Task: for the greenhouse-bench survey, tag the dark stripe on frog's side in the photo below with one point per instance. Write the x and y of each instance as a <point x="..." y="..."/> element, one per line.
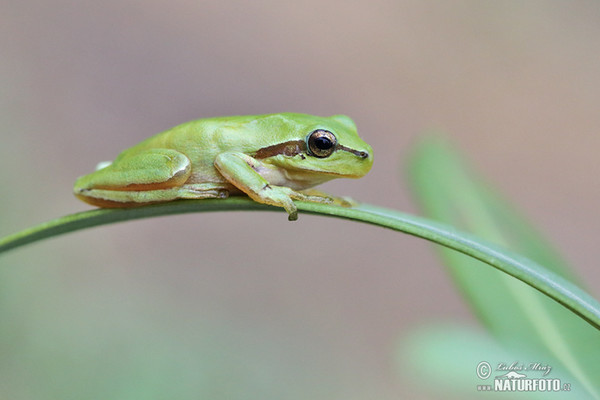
<point x="290" y="149"/>
<point x="361" y="154"/>
<point x="295" y="147"/>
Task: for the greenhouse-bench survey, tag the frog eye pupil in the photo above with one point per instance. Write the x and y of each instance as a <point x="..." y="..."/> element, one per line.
<point x="321" y="143"/>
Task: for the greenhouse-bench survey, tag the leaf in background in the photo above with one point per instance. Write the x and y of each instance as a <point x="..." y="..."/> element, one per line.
<point x="513" y="312"/>
<point x="449" y="356"/>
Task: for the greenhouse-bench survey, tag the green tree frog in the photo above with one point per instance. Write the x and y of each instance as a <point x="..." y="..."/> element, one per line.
<point x="272" y="158"/>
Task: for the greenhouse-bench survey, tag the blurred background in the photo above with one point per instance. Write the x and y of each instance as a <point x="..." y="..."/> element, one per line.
<point x="248" y="305"/>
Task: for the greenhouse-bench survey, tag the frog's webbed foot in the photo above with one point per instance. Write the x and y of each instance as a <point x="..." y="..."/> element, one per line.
<point x="203" y="191"/>
<point x="322" y="197"/>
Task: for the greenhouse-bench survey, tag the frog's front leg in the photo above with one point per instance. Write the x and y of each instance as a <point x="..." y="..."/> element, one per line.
<point x="151" y="176"/>
<point x="244" y="172"/>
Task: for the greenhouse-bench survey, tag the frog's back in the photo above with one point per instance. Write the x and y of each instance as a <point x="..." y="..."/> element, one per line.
<point x="205" y="138"/>
<point x="192" y="136"/>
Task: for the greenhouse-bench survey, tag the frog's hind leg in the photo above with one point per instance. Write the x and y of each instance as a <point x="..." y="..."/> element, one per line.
<point x="151" y="176"/>
<point x="322" y="197"/>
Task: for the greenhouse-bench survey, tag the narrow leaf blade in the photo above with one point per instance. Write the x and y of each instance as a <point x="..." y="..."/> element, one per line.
<point x="512" y="311"/>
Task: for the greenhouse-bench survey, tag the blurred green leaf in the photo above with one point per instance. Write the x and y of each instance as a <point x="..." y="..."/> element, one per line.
<point x="513" y="312"/>
<point x="450" y="355"/>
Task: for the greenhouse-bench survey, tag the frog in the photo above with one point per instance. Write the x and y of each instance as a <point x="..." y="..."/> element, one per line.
<point x="272" y="158"/>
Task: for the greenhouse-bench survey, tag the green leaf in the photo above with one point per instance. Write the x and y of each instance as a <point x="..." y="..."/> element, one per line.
<point x="447" y="358"/>
<point x="512" y="311"/>
<point x="547" y="282"/>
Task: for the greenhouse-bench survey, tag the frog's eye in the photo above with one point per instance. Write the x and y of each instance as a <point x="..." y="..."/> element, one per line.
<point x="321" y="143"/>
